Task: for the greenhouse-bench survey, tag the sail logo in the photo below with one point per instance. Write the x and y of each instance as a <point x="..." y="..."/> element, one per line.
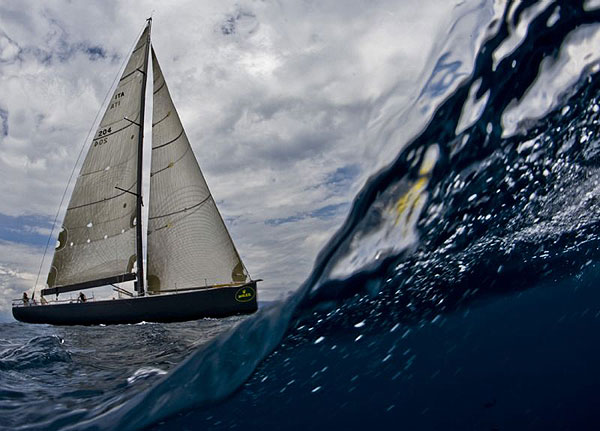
<point x="244" y="294"/>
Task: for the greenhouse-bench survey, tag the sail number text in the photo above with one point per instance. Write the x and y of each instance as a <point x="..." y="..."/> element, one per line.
<point x="116" y="102"/>
<point x="100" y="141"/>
<point x="104" y="132"/>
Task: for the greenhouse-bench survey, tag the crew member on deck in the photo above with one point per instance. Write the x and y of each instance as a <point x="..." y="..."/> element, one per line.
<point x="25" y="299"/>
<point x="82" y="297"/>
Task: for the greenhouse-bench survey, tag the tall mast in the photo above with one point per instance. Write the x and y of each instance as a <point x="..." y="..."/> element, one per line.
<point x="139" y="231"/>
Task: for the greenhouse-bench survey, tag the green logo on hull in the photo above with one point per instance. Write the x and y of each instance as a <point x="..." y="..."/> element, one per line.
<point x="245" y="294"/>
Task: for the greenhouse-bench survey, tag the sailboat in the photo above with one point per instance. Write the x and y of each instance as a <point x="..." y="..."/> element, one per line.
<point x="194" y="269"/>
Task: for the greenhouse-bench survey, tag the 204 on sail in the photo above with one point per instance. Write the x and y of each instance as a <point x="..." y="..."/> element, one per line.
<point x="194" y="269"/>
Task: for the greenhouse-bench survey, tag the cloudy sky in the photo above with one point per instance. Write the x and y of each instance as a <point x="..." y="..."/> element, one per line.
<point x="289" y="106"/>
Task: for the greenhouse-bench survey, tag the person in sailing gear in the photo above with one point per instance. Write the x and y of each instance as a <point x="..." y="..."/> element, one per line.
<point x="81" y="298"/>
<point x="25" y="299"/>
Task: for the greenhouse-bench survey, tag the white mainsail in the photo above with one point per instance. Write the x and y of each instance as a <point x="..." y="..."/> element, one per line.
<point x="98" y="240"/>
<point x="188" y="243"/>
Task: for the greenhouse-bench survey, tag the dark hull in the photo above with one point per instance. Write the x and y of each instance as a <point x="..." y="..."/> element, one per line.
<point x="177" y="307"/>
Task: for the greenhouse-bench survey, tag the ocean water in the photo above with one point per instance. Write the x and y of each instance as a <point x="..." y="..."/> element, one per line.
<point x="460" y="293"/>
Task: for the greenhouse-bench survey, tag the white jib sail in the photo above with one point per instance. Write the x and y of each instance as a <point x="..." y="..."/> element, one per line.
<point x="188" y="243"/>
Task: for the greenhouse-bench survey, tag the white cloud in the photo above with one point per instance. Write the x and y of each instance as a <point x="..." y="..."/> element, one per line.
<point x="276" y="98"/>
<point x="18" y="271"/>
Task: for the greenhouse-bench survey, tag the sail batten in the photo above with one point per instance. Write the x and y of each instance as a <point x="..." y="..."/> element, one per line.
<point x="99" y="201"/>
<point x="188" y="242"/>
<point x="181" y="210"/>
<point x="127" y="125"/>
<point x="97" y="241"/>
<point x="169" y="142"/>
<point x="159" y="88"/>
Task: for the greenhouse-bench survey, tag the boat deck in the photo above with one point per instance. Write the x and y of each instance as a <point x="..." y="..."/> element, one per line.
<point x="168" y="307"/>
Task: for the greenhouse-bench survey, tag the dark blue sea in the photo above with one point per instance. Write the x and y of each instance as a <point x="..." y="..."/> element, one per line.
<point x="462" y="292"/>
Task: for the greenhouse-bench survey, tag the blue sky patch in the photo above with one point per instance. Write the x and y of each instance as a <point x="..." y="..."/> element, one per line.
<point x="94" y="52"/>
<point x="328" y="211"/>
<point x="64" y="52"/>
<point x="343" y="176"/>
<point x="30" y="230"/>
<point x="322" y="213"/>
<point x="4" y="122"/>
<point x="283" y="220"/>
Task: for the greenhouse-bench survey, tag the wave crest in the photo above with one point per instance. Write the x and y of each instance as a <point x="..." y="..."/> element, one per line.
<point x="38" y="352"/>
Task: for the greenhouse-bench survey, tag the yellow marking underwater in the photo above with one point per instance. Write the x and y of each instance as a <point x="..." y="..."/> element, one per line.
<point x="410" y="198"/>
